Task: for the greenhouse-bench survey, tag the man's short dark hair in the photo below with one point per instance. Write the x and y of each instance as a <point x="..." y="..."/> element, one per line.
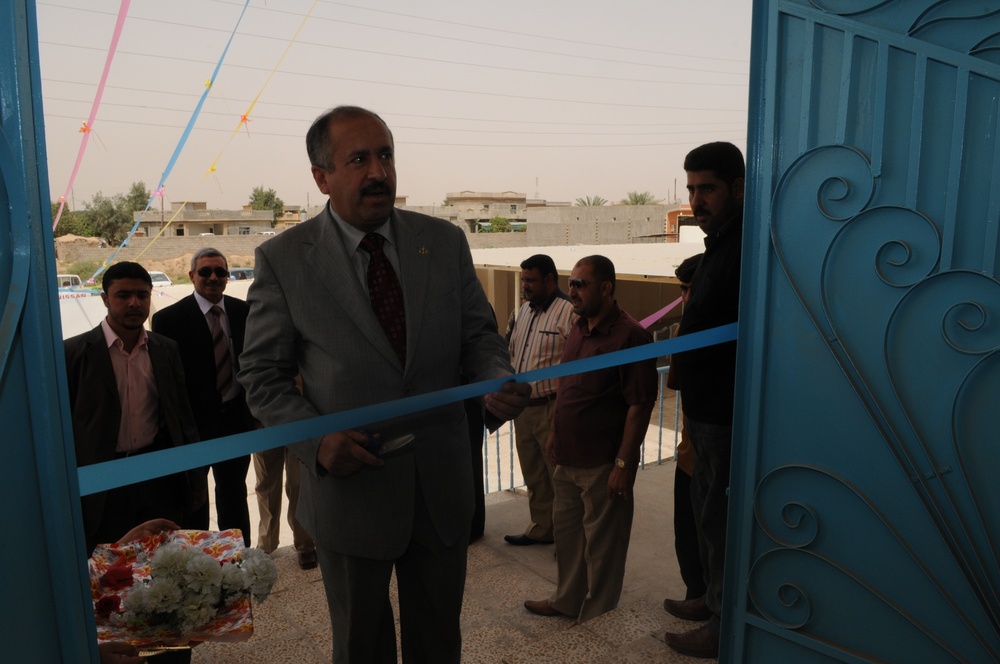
<point x="685" y="271"/>
<point x="207" y="252"/>
<point x="318" y="137"/>
<point x="125" y="270"/>
<point x="544" y="264"/>
<point x="601" y="268"/>
<point x="725" y="159"/>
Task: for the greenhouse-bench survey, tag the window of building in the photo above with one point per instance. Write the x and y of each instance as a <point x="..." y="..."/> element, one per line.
<point x="244" y="230"/>
<point x="513" y="208"/>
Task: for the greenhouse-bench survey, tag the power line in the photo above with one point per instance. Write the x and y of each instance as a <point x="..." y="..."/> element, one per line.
<point x="591" y="58"/>
<point x="401" y="142"/>
<point x="319" y="109"/>
<point x="397" y="127"/>
<point x="418" y="87"/>
<point x="474" y="65"/>
<point x="588" y="44"/>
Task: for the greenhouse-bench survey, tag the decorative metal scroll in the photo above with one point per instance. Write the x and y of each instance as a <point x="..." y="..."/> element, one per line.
<point x="885" y="224"/>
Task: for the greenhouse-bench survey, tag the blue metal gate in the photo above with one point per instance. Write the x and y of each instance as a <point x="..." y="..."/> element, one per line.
<point x="865" y="518"/>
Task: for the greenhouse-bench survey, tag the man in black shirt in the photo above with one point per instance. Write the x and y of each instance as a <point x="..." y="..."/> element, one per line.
<point x="707" y="376"/>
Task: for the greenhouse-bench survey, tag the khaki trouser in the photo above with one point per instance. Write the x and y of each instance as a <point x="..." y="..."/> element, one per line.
<point x="269" y="467"/>
<point x="531" y="430"/>
<point x="592" y="537"/>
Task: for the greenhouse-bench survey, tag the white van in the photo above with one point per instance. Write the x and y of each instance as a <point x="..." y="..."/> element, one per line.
<point x="68" y="281"/>
<point x="160" y="279"/>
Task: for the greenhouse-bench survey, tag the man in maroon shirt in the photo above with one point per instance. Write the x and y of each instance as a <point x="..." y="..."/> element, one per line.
<point x="600" y="421"/>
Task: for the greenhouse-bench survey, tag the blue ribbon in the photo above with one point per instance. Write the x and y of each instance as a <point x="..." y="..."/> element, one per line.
<point x="120" y="472"/>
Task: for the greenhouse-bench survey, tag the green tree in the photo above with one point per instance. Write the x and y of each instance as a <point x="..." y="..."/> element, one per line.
<point x="71" y="223"/>
<point x="267" y="199"/>
<point x="111" y="217"/>
<point x="107" y="216"/>
<point x="137" y="197"/>
<point x="640" y="198"/>
<point x="591" y="201"/>
<point x="499" y="225"/>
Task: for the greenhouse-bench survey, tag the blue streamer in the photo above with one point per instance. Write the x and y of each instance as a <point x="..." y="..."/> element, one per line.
<point x="180" y="146"/>
<point x="112" y="474"/>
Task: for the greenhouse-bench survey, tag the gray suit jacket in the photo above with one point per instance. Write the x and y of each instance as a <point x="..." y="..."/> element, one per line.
<point x="310" y="314"/>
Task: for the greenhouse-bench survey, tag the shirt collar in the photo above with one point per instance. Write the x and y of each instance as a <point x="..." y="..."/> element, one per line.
<point x="206" y="305"/>
<point x="735" y="222"/>
<point x="544" y="306"/>
<point x="605" y="325"/>
<point x="110" y="336"/>
<point x="352" y="236"/>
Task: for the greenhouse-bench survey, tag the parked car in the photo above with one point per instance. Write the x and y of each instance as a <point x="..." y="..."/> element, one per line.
<point x="206" y="234"/>
<point x="265" y="232"/>
<point x="240" y="273"/>
<point x="160" y="279"/>
<point x="67" y="281"/>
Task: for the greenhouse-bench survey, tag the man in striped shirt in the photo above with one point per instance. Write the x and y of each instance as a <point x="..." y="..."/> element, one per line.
<point x="537" y="340"/>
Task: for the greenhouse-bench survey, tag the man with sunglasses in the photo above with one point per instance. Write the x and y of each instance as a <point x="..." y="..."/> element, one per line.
<point x="209" y="327"/>
<point x="600" y="421"/>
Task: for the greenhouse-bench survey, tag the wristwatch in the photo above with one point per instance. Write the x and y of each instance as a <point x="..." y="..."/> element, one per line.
<point x="620" y="462"/>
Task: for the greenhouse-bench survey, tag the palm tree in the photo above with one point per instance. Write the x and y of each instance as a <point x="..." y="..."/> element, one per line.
<point x="640" y="198"/>
<point x="590" y="201"/>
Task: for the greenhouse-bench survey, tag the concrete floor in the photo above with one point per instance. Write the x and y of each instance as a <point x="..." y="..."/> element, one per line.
<point x="293" y="624"/>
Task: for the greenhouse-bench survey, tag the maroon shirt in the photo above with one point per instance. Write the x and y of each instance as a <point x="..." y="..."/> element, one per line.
<point x="591" y="407"/>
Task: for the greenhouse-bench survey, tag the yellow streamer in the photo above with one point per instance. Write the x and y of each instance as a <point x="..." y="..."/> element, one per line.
<point x="244" y="119"/>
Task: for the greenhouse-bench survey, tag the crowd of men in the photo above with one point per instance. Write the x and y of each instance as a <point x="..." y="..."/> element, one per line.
<point x="366" y="303"/>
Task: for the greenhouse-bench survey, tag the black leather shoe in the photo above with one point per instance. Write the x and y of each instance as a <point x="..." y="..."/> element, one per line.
<point x="523" y="540"/>
<point x="696" y="643"/>
<point x="688" y="609"/>
<point x="307" y="559"/>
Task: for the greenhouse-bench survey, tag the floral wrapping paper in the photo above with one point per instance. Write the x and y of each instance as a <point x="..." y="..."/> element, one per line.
<point x="234" y="621"/>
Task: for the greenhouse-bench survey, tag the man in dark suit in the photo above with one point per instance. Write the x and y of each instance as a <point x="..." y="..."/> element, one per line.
<point x="127" y="396"/>
<point x="217" y="399"/>
<point x="373" y="304"/>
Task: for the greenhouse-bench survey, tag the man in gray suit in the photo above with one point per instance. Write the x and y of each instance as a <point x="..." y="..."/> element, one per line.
<point x="327" y="302"/>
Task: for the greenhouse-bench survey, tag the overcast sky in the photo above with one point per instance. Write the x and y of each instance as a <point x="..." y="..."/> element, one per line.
<point x="556" y="99"/>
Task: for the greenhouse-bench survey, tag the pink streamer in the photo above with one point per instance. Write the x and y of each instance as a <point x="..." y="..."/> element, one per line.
<point x="649" y="320"/>
<point x="122" y="15"/>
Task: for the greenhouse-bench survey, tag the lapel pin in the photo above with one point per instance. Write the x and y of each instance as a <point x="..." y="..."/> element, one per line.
<point x="423" y="250"/>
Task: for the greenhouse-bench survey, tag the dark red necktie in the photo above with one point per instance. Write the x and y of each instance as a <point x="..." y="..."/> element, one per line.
<point x="386" y="294"/>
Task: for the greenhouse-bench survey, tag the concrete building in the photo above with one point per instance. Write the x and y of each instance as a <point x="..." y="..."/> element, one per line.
<point x="473" y="210"/>
<point x="193" y="218"/>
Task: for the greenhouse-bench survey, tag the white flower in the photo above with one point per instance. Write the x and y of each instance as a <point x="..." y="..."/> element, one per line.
<point x="136" y="599"/>
<point x="203" y="575"/>
<point x="169" y="560"/>
<point x="187" y="587"/>
<point x="259" y="573"/>
<point x="195" y="614"/>
<point x="163" y="595"/>
<point x="232" y="579"/>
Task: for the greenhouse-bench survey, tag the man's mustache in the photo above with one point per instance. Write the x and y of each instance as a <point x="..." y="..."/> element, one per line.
<point x="376" y="188"/>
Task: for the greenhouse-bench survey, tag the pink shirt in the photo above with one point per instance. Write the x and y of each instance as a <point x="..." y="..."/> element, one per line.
<point x="136" y="391"/>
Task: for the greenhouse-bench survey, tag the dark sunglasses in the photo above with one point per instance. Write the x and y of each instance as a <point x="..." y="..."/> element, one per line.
<point x="220" y="272"/>
<point x="577" y="283"/>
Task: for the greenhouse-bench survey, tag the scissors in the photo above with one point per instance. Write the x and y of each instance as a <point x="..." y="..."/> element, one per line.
<point x="383" y="448"/>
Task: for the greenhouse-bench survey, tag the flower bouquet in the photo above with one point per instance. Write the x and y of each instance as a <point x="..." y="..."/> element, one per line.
<point x="178" y="586"/>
